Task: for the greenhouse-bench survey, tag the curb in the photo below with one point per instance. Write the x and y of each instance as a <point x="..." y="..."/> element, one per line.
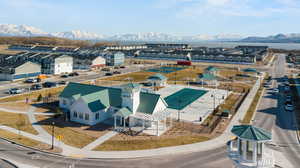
<point x="258" y="102"/>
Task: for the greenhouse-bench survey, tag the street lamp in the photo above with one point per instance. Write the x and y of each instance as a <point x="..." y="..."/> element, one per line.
<point x="52" y="145"/>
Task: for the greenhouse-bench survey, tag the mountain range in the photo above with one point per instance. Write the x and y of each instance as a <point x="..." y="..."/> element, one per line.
<point x="29" y="31"/>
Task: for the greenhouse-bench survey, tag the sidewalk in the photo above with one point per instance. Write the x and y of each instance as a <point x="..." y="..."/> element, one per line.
<point x="24" y="112"/>
<point x="100" y="140"/>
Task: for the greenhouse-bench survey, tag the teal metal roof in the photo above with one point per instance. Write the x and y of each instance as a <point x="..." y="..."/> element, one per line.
<point x="249" y="70"/>
<point x="211" y="69"/>
<point x="158" y="76"/>
<point x="89" y="92"/>
<point x="124" y="112"/>
<point x="97" y="101"/>
<point x="207" y="76"/>
<point x="148" y="102"/>
<point x="250" y="132"/>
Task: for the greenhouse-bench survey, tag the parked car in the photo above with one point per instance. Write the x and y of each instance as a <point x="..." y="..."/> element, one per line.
<point x="147" y="84"/>
<point x="275" y="90"/>
<point x="74" y="74"/>
<point x="289" y="107"/>
<point x="116" y="67"/>
<point x="116" y="72"/>
<point x="15" y="91"/>
<point x="123" y="66"/>
<point x="49" y="84"/>
<point x="31" y="80"/>
<point x="105" y="69"/>
<point x="108" y="74"/>
<point x="286" y="88"/>
<point x="36" y="87"/>
<point x="62" y="82"/>
<point x="64" y="76"/>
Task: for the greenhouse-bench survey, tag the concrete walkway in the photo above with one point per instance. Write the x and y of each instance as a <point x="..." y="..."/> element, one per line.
<point x="38" y="128"/>
<point x="100" y="140"/>
<point x="23" y="112"/>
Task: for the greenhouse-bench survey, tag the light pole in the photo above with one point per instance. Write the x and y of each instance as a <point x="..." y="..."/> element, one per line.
<point x="52" y="145"/>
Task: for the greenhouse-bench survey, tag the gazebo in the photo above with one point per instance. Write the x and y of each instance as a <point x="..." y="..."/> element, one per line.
<point x="158" y="80"/>
<point x="250" y="144"/>
<point x="211" y="79"/>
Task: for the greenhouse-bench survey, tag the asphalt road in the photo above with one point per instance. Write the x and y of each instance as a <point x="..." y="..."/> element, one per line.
<point x="272" y="116"/>
<point x="210" y="159"/>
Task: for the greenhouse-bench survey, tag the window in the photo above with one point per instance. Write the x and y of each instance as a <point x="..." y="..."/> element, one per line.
<point x="86" y="116"/>
<point x="81" y="115"/>
<point x="75" y="114"/>
<point x="97" y="116"/>
<point x="64" y="102"/>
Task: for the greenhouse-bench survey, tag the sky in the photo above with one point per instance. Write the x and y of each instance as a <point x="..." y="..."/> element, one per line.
<point x="179" y="17"/>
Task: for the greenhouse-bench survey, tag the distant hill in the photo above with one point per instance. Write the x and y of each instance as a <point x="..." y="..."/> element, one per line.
<point x="279" y="38"/>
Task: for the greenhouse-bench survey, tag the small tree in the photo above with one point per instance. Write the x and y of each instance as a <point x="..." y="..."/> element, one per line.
<point x="39" y="98"/>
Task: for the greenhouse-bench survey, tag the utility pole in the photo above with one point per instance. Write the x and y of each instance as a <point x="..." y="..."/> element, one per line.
<point x="52" y="145"/>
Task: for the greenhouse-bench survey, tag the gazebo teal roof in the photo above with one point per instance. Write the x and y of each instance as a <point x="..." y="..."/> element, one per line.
<point x="211" y="69"/>
<point x="124" y="112"/>
<point x="249" y="132"/>
<point x="249" y="70"/>
<point x="157" y="76"/>
<point x="207" y="76"/>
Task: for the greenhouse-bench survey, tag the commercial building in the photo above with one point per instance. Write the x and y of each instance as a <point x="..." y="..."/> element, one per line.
<point x="125" y="105"/>
<point x="19" y="70"/>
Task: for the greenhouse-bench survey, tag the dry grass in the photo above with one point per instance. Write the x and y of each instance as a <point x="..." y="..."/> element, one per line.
<point x="19" y="139"/>
<point x="180" y="134"/>
<point x="135" y="77"/>
<point x="184" y="75"/>
<point x="20" y="106"/>
<point x="33" y="95"/>
<point x="73" y="134"/>
<point x="4" y="50"/>
<point x="17" y="121"/>
<point x="248" y="117"/>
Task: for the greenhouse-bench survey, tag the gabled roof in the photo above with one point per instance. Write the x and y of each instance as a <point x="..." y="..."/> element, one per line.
<point x="207" y="76"/>
<point x="97" y="101"/>
<point x="124" y="112"/>
<point x="148" y="102"/>
<point x="77" y="90"/>
<point x="250" y="132"/>
<point x="157" y="76"/>
<point x="211" y="69"/>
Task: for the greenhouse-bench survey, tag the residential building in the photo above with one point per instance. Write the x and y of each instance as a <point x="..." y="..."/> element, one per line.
<point x="19" y="70"/>
<point x="115" y="58"/>
<point x="88" y="62"/>
<point x="57" y="64"/>
<point x="158" y="80"/>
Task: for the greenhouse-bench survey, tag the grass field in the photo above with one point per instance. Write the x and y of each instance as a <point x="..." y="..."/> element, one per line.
<point x="71" y="135"/>
<point x="4" y="50"/>
<point x="17" y="121"/>
<point x="134" y="77"/>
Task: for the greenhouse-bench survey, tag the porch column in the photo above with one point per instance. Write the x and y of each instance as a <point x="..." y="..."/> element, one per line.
<point x="120" y="120"/>
<point x="244" y="149"/>
<point x="115" y="122"/>
<point x="262" y="149"/>
<point x="254" y="154"/>
<point x="230" y="145"/>
<point x="124" y="123"/>
<point x="238" y="145"/>
<point x="202" y="83"/>
<point x="157" y="128"/>
<point x="143" y="124"/>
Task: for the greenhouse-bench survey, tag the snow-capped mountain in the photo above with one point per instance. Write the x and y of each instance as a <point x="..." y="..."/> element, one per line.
<point x="220" y="37"/>
<point x="77" y="34"/>
<point x="20" y="30"/>
<point x="279" y="38"/>
<point x="144" y="37"/>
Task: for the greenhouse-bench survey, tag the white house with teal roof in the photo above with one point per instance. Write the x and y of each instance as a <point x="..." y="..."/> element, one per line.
<point x="127" y="105"/>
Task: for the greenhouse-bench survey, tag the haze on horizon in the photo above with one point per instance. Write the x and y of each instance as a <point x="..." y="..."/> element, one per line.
<point x="179" y="17"/>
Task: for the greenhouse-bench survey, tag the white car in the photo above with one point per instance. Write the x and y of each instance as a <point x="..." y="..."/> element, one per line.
<point x="276" y="90"/>
<point x="289" y="107"/>
<point x="15" y="91"/>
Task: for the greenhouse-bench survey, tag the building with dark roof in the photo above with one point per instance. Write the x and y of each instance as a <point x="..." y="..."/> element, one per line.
<point x="19" y="70"/>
